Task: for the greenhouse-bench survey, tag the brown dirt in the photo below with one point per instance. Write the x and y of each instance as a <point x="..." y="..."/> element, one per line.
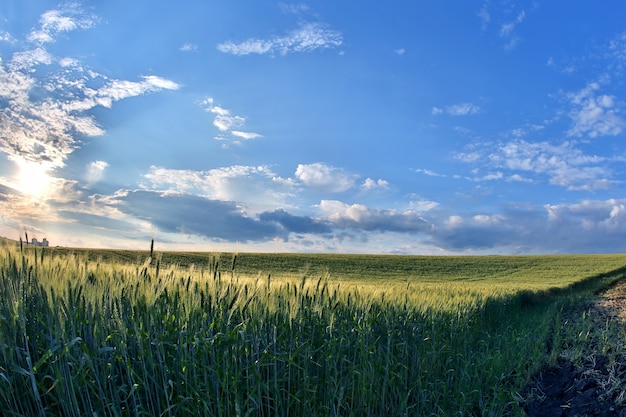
<point x="595" y="386"/>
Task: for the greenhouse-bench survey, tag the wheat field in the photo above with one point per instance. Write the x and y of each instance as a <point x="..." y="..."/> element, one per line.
<point x="89" y="333"/>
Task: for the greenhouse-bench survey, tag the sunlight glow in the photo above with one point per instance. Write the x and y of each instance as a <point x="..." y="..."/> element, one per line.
<point x="33" y="179"/>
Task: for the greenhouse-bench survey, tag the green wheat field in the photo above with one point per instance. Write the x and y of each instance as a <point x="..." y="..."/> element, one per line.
<point x="141" y="333"/>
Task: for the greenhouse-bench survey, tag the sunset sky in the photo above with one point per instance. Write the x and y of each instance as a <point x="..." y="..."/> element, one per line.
<point x="414" y="127"/>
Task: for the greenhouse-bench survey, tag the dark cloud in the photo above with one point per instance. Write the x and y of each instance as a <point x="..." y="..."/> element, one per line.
<point x="588" y="227"/>
<point x="97" y="221"/>
<point x="196" y="215"/>
<point x="185" y="213"/>
<point x="475" y="237"/>
<point x="296" y="224"/>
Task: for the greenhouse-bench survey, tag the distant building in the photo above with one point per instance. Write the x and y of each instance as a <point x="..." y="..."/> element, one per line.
<point x="44" y="242"/>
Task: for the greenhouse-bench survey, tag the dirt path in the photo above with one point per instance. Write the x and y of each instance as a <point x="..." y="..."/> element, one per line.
<point x="612" y="302"/>
<point x="595" y="386"/>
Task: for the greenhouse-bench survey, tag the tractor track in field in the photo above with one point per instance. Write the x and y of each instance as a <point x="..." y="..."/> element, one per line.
<point x="596" y="386"/>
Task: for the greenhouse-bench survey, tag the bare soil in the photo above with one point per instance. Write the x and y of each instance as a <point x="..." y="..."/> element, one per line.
<point x="595" y="386"/>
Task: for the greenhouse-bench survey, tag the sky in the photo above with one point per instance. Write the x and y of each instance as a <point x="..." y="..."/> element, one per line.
<point x="405" y="127"/>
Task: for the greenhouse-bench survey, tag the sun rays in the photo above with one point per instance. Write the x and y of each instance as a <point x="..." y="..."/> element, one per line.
<point x="33" y="180"/>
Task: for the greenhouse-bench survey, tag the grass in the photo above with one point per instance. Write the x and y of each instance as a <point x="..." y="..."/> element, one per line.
<point x="106" y="333"/>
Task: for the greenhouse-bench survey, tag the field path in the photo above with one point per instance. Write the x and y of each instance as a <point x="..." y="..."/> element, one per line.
<point x="597" y="387"/>
<point x="612" y="302"/>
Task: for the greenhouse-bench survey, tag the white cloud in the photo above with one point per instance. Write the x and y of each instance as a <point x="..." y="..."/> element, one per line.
<point x="567" y="68"/>
<point x="461" y="109"/>
<point x="492" y="176"/>
<point x="294" y="8"/>
<point x="518" y="178"/>
<point x="68" y="62"/>
<point x="307" y="38"/>
<point x="564" y="164"/>
<point x="64" y="19"/>
<point x="227" y="123"/>
<point x="330" y="178"/>
<point x="484" y="15"/>
<point x="95" y="171"/>
<point x="617" y="50"/>
<point x="608" y="216"/>
<point x="250" y="46"/>
<point x="506" y="21"/>
<point x="454" y="221"/>
<point x="116" y="90"/>
<point x="506" y="29"/>
<point x="594" y="114"/>
<point x="46" y="97"/>
<point x="429" y="173"/>
<point x="24" y="60"/>
<point x="5" y="36"/>
<point x="160" y="83"/>
<point x="189" y="47"/>
<point x="245" y="135"/>
<point x="360" y="218"/>
<point x="422" y="206"/>
<point x="370" y="184"/>
<point x="336" y="210"/>
<point x="488" y="219"/>
<point x="258" y="187"/>
<point x="212" y="183"/>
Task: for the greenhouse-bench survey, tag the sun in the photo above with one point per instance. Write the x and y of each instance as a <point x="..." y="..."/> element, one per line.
<point x="33" y="180"/>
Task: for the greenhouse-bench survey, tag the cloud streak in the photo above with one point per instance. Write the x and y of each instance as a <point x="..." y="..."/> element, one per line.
<point x="460" y="109"/>
<point x="308" y="37"/>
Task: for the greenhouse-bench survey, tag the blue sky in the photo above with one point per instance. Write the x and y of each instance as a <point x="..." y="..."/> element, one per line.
<point x="431" y="127"/>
